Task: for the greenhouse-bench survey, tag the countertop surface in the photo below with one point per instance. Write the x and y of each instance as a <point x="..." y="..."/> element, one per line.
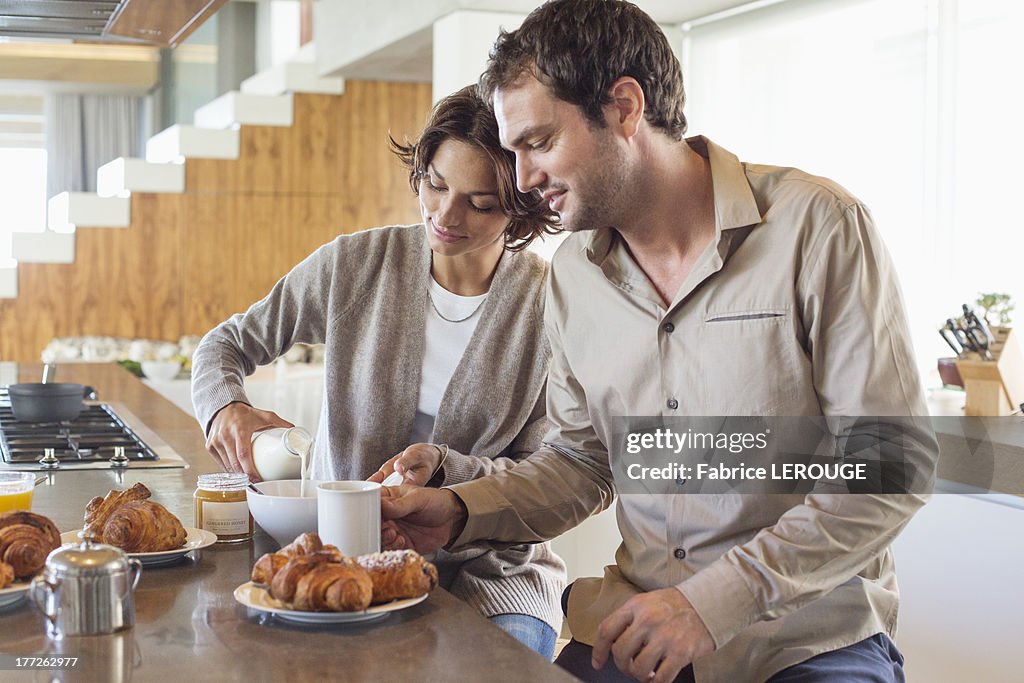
<point x="188" y="623"/>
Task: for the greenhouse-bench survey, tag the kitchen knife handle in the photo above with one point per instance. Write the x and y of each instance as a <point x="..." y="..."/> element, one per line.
<point x="950" y="339"/>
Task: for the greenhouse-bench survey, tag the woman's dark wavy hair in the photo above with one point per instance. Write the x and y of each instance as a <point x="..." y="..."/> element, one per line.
<point x="578" y="48"/>
<point x="466" y="117"/>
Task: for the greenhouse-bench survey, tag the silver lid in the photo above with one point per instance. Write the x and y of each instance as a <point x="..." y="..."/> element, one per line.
<point x="86" y="559"/>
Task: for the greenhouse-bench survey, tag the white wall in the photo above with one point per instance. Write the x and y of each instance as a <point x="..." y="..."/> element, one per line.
<point x="462" y="41"/>
<point x="277" y="32"/>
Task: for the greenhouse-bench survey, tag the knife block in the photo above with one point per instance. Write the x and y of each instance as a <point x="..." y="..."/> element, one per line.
<point x="994" y="387"/>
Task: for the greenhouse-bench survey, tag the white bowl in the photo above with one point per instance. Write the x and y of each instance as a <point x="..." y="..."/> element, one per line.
<point x="281" y="510"/>
<point x="161" y="370"/>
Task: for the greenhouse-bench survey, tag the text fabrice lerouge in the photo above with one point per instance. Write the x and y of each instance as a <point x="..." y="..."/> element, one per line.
<point x="777" y="471"/>
<point x="667" y="440"/>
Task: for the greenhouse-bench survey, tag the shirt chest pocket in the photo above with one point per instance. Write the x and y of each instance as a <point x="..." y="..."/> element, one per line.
<point x="752" y="363"/>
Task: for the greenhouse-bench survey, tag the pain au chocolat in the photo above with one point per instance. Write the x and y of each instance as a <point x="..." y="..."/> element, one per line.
<point x="26" y="538"/>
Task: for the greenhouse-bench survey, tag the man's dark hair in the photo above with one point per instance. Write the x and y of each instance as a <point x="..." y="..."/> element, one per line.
<point x="578" y="48"/>
<point x="465" y="116"/>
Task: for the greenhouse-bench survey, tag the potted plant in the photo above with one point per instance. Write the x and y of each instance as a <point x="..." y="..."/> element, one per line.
<point x="997" y="308"/>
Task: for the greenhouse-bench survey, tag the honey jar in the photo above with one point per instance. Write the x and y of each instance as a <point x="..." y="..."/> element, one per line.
<point x="222" y="508"/>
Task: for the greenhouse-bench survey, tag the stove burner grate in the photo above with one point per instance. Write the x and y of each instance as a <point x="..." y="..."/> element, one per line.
<point x="91" y="437"/>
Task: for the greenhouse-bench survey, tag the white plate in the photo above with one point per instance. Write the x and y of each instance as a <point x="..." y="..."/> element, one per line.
<point x="194" y="540"/>
<point x="15" y="592"/>
<point x="257" y="597"/>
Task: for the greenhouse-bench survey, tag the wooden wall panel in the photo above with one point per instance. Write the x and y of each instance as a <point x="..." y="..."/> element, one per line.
<point x="190" y="260"/>
<point x="376" y="185"/>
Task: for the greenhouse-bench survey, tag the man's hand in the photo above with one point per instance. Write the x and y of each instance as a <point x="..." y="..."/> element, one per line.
<point x="419" y="518"/>
<point x="230" y="438"/>
<point x="653" y="636"/>
<point x="416" y="464"/>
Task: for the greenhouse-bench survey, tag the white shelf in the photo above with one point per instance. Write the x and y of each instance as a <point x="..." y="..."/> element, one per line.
<point x="292" y="77"/>
<point x="43" y="247"/>
<point x="69" y="209"/>
<point x="8" y="283"/>
<point x="124" y="175"/>
<point x="241" y="108"/>
<point x="180" y="142"/>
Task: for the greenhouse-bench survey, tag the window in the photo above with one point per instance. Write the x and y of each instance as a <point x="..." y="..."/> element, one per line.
<point x="22" y="169"/>
<point x="906" y="103"/>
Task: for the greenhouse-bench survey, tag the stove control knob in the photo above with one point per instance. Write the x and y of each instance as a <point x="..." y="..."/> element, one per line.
<point x="49" y="460"/>
<point x="119" y="459"/>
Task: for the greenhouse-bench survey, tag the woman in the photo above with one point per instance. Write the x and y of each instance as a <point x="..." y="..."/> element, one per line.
<point x="433" y="337"/>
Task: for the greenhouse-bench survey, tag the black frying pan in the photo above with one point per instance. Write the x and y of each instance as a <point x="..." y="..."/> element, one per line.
<point x="50" y="402"/>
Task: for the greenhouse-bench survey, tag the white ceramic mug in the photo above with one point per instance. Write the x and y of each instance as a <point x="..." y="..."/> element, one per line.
<point x="348" y="515"/>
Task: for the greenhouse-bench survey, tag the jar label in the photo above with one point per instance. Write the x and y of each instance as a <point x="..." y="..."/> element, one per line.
<point x="226" y="519"/>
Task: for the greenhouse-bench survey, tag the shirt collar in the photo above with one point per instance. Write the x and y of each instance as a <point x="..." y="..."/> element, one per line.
<point x="735" y="206"/>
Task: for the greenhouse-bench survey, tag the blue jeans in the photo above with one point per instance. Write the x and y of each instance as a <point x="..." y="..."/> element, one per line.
<point x="872" y="660"/>
<point x="530" y="631"/>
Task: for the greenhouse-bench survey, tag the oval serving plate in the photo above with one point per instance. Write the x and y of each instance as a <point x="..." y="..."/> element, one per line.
<point x="257" y="598"/>
<point x="14" y="593"/>
<point x="195" y="539"/>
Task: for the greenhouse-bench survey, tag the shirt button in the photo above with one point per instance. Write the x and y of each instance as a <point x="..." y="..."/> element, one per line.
<point x="679" y="553"/>
<point x="672" y="404"/>
<point x="669" y="328"/>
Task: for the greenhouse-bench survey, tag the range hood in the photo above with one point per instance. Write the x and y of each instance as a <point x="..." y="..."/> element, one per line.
<point x="157" y="23"/>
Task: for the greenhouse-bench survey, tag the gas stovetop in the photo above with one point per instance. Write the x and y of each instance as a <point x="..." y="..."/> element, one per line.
<point x="101" y="432"/>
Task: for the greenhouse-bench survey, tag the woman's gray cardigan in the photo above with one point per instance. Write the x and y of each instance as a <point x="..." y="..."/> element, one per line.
<point x="364" y="296"/>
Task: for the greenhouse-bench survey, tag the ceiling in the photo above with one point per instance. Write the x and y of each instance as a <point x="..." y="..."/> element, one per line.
<point x="57" y="19"/>
<point x="407" y="56"/>
<point x="663" y="11"/>
<point x="160" y="23"/>
<point x="86" y="19"/>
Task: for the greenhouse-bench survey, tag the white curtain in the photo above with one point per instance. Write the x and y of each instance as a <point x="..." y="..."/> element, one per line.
<point x="83" y="132"/>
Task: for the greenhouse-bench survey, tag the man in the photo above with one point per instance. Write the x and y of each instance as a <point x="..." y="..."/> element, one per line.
<point x="693" y="285"/>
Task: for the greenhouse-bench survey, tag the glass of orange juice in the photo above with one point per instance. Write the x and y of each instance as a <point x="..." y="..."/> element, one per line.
<point x="16" y="490"/>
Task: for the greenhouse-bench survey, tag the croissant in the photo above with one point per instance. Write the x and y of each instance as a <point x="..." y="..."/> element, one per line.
<point x="98" y="510"/>
<point x="304" y="544"/>
<point x="143" y="527"/>
<point x="398" y="574"/>
<point x="6" y="574"/>
<point x="267" y="566"/>
<point x="286" y="580"/>
<point x="335" y="587"/>
<point x="308" y="543"/>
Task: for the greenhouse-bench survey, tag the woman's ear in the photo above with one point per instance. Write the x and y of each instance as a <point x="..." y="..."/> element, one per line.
<point x="625" y="112"/>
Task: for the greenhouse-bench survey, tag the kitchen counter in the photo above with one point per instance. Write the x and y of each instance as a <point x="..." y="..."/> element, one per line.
<point x="188" y="624"/>
<point x="980" y="456"/>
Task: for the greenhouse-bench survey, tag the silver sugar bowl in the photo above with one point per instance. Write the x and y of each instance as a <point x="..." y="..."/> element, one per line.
<point x="87" y="589"/>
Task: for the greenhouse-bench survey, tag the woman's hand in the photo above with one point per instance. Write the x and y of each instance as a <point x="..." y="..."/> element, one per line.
<point x="416" y="464"/>
<point x="230" y="437"/>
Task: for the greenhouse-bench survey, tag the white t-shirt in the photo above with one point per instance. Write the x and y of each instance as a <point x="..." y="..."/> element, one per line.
<point x="446" y="343"/>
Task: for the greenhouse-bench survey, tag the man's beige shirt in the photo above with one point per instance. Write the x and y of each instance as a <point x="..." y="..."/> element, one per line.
<point x="794" y="309"/>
